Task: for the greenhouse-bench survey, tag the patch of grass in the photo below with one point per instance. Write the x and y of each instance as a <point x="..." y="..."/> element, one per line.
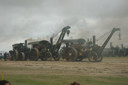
<point x="64" y="80"/>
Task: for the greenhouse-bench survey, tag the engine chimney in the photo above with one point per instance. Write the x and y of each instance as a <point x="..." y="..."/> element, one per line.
<point x="25" y="43"/>
<point x="94" y="40"/>
<point x="51" y="40"/>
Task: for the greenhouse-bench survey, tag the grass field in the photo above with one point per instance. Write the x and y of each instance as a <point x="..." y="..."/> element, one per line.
<point x="111" y="71"/>
<point x="65" y="80"/>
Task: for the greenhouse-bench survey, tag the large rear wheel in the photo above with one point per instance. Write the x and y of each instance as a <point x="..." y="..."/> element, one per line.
<point x="16" y="55"/>
<point x="21" y="56"/>
<point x="71" y="54"/>
<point x="34" y="54"/>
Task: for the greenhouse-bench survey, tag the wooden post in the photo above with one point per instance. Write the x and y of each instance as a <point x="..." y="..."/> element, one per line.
<point x="2" y="75"/>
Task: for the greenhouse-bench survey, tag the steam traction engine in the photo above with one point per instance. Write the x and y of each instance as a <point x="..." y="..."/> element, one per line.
<point x="20" y="52"/>
<point x="45" y="49"/>
<point x="78" y="49"/>
<point x="40" y="50"/>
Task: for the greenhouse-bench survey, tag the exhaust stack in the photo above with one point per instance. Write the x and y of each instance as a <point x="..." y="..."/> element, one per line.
<point x="51" y="41"/>
<point x="26" y="44"/>
<point x="94" y="40"/>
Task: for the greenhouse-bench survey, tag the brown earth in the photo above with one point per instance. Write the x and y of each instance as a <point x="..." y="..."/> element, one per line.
<point x="110" y="66"/>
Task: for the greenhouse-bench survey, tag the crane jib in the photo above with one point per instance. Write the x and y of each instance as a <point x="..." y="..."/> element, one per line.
<point x="100" y="50"/>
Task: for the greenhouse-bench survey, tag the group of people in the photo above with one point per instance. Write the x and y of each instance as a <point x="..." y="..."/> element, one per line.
<point x="5" y="82"/>
<point x="4" y="56"/>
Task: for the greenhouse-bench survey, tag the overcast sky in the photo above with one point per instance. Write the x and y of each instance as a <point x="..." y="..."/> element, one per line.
<point x="24" y="19"/>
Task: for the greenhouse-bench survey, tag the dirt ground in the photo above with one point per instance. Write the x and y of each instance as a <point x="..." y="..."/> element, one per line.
<point x="110" y="66"/>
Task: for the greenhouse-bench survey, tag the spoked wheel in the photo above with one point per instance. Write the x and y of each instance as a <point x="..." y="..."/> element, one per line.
<point x="62" y="53"/>
<point x="46" y="56"/>
<point x="34" y="54"/>
<point x="21" y="56"/>
<point x="93" y="57"/>
<point x="16" y="55"/>
<point x="71" y="54"/>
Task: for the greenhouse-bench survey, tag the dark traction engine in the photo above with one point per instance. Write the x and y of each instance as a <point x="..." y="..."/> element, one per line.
<point x="78" y="49"/>
<point x="46" y="50"/>
<point x="20" y="52"/>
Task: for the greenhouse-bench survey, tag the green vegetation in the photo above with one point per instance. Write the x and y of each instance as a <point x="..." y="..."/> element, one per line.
<point x="64" y="80"/>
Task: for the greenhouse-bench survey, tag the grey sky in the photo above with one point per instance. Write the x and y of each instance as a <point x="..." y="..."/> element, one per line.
<point x="23" y="19"/>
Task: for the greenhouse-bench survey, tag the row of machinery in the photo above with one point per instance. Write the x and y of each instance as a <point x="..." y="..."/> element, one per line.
<point x="72" y="49"/>
<point x="42" y="49"/>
